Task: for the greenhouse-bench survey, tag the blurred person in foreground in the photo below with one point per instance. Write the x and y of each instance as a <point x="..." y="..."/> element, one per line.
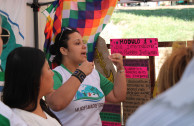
<point x="174" y="106"/>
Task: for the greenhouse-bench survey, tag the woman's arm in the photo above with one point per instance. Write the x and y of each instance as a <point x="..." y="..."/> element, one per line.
<point x="60" y="98"/>
<point x="118" y="94"/>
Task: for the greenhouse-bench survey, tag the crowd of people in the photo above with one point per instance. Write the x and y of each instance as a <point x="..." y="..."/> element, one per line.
<point x="35" y="95"/>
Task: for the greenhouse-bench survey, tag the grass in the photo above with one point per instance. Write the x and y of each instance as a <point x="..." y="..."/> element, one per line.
<point x="164" y="24"/>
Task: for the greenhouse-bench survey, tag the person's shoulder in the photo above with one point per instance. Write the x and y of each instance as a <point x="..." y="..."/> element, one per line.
<point x="94" y="72"/>
<point x="20" y="112"/>
<point x="155" y="112"/>
<point x="145" y="113"/>
<point x="5" y="110"/>
<point x="13" y="118"/>
<point x="29" y="117"/>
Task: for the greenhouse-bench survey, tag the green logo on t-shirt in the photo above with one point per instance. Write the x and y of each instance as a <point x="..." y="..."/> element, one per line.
<point x="88" y="93"/>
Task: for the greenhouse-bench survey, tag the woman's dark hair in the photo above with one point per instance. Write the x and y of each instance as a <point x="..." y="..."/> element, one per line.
<point x="22" y="79"/>
<point x="60" y="41"/>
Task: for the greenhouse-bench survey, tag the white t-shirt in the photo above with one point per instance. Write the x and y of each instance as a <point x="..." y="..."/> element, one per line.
<point x="8" y="117"/>
<point x="88" y="102"/>
<point x="32" y="119"/>
<point x="1" y="83"/>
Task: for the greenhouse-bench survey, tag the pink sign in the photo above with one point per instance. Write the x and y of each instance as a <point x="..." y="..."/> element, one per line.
<point x="136" y="72"/>
<point x="135" y="47"/>
<point x="111" y="123"/>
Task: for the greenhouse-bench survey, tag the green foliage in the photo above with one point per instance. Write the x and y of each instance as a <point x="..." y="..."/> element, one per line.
<point x="164" y="24"/>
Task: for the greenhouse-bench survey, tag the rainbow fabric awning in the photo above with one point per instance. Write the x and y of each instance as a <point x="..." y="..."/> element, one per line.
<point x="89" y="17"/>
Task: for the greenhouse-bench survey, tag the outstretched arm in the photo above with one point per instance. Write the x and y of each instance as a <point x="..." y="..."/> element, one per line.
<point x="118" y="94"/>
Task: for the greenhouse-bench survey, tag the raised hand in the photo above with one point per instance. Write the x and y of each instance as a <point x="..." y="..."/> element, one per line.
<point x="117" y="60"/>
<point x="86" y="67"/>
